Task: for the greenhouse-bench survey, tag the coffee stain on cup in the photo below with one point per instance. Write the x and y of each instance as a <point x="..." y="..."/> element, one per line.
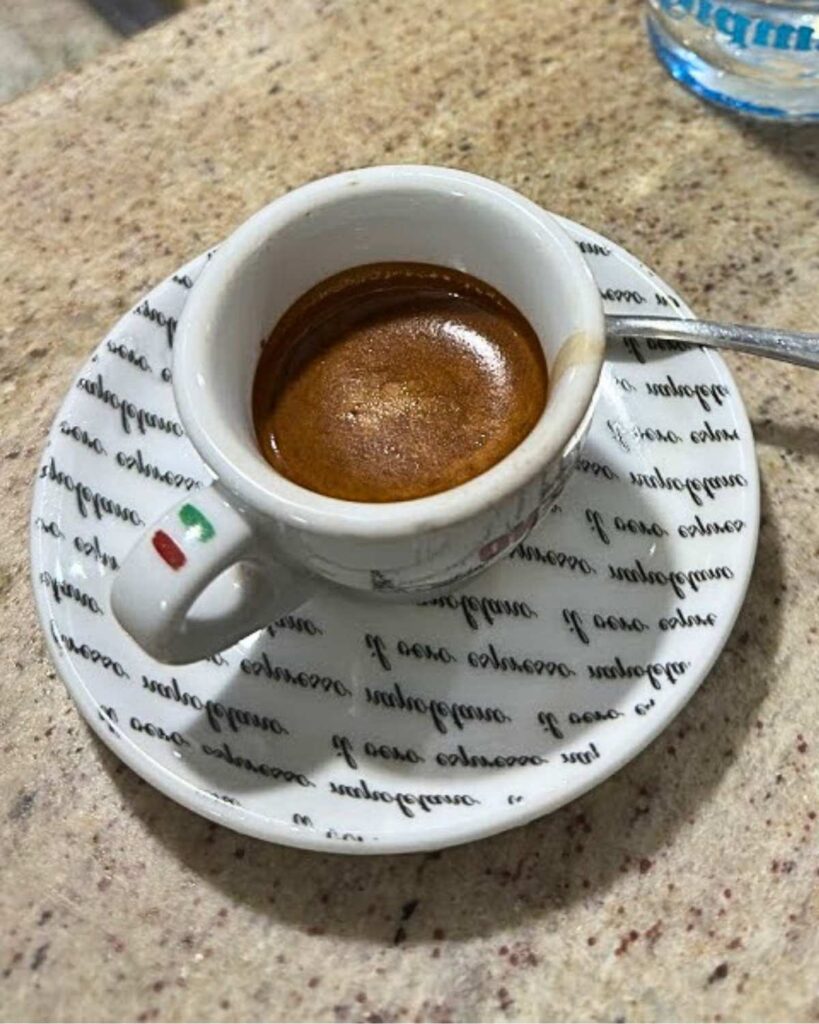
<point x="578" y="349"/>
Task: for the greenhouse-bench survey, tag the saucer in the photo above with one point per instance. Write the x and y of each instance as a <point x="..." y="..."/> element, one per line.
<point x="351" y="726"/>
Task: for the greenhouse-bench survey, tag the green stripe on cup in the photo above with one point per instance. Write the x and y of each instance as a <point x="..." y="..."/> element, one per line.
<point x="196" y="520"/>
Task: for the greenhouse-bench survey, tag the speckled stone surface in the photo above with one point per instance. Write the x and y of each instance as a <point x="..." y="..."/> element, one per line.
<point x="685" y="887"/>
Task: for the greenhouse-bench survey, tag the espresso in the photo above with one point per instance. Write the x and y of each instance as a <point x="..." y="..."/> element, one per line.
<point x="393" y="381"/>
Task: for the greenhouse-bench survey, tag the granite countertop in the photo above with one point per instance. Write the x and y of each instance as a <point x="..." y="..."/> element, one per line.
<point x="687" y="886"/>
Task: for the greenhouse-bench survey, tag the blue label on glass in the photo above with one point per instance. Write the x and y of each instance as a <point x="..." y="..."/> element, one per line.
<point x="742" y="29"/>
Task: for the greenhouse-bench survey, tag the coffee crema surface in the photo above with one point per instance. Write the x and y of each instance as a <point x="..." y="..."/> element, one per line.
<point x="393" y="381"/>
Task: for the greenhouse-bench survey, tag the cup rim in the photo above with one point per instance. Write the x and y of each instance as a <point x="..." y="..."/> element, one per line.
<point x="273" y="496"/>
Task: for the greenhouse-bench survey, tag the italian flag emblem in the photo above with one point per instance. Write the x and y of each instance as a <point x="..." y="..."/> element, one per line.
<point x="197" y="527"/>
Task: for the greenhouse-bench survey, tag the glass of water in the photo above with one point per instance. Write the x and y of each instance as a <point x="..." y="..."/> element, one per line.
<point x="758" y="57"/>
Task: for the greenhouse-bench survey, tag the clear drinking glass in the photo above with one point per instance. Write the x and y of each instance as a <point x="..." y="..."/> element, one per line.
<point x="758" y="57"/>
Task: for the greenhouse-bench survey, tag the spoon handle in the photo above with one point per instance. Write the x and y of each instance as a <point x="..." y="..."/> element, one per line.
<point x="790" y="346"/>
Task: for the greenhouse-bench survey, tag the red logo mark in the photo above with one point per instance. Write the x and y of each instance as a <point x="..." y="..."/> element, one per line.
<point x="168" y="550"/>
<point x="494" y="547"/>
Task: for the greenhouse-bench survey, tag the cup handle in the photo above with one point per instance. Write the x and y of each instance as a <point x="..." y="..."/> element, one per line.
<point x="173" y="564"/>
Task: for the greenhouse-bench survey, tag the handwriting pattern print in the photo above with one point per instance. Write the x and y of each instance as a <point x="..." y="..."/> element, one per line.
<point x="353" y="726"/>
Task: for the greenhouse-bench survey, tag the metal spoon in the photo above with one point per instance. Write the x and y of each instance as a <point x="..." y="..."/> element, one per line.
<point x="790" y="346"/>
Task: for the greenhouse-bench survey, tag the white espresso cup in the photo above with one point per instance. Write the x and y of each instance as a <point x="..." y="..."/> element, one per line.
<point x="290" y="541"/>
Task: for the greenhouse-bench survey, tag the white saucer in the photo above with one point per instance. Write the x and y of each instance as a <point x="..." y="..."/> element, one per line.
<point x="359" y="728"/>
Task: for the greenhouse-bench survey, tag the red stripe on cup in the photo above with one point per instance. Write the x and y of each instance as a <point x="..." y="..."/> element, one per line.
<point x="168" y="550"/>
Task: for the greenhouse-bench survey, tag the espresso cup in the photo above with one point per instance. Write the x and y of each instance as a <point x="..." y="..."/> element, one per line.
<point x="289" y="541"/>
